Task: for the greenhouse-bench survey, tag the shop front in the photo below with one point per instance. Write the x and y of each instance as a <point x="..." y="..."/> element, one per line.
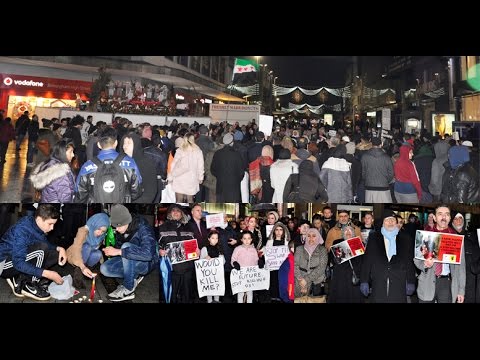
<point x="19" y="93"/>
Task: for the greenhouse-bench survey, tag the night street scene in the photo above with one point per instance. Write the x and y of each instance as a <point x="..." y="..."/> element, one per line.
<point x="239" y="179"/>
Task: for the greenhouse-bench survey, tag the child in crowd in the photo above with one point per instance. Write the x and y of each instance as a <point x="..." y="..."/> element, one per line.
<point x="212" y="250"/>
<point x="245" y="255"/>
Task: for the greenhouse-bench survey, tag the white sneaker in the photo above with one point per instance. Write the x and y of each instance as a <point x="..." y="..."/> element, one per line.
<point x="121" y="293"/>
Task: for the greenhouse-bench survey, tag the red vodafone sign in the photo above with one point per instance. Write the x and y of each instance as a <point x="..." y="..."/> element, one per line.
<point x="9" y="81"/>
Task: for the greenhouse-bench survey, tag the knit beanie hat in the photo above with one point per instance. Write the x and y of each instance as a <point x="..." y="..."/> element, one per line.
<point x="119" y="215"/>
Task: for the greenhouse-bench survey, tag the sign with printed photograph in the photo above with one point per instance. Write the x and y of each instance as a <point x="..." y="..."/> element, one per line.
<point x="181" y="251"/>
<point x="347" y="249"/>
<point x="445" y="248"/>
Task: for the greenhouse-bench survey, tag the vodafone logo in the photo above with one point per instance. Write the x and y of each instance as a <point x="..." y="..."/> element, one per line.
<point x="8" y="81"/>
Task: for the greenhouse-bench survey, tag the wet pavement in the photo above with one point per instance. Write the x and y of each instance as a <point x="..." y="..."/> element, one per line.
<point x="146" y="292"/>
<point x="14" y="184"/>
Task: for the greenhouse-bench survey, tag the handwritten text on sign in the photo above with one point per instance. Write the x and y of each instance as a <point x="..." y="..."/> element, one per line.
<point x="210" y="277"/>
<point x="249" y="278"/>
<point x="274" y="256"/>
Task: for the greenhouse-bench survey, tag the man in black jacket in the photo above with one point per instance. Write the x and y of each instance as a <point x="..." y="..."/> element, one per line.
<point x="388" y="264"/>
<point x="172" y="230"/>
<point x="134" y="254"/>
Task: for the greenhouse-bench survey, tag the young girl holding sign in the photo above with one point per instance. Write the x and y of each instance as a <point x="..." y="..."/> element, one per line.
<point x="212" y="250"/>
<point x="245" y="255"/>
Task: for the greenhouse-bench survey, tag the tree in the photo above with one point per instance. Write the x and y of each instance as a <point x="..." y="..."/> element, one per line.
<point x="99" y="86"/>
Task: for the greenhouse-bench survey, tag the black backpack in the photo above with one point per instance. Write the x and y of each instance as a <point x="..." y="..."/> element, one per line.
<point x="109" y="183"/>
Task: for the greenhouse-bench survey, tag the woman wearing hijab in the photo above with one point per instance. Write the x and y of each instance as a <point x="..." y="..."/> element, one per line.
<point x="85" y="248"/>
<point x="310" y="263"/>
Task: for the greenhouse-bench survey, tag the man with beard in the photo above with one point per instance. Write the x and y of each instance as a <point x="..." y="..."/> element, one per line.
<point x="134" y="254"/>
<point x="439" y="282"/>
<point x="172" y="230"/>
<point x="387" y="264"/>
<point x="328" y="218"/>
<point x="336" y="232"/>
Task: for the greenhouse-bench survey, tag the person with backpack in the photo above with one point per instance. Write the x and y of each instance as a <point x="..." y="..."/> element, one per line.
<point x="108" y="177"/>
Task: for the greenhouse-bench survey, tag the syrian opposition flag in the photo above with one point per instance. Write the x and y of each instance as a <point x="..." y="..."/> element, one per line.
<point x="244" y="72"/>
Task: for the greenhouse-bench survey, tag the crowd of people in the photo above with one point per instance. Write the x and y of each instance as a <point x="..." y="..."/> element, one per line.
<point x="73" y="160"/>
<point x="387" y="270"/>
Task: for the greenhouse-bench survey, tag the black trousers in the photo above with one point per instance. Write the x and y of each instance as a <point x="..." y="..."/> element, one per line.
<point x="38" y="255"/>
<point x="182" y="287"/>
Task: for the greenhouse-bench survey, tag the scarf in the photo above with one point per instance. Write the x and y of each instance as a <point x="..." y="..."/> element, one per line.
<point x="213" y="251"/>
<point x="94" y="223"/>
<point x="392" y="241"/>
<point x="254" y="172"/>
<point x="318" y="240"/>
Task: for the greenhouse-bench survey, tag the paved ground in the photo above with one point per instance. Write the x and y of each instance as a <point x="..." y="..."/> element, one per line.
<point x="147" y="291"/>
<point x="13" y="186"/>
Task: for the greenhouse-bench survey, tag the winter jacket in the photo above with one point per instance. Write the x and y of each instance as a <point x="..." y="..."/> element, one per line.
<point x="56" y="181"/>
<point x="171" y="231"/>
<point x="187" y="171"/>
<point x="311" y="268"/>
<point x="406" y="176"/>
<point x="460" y="185"/>
<point x="280" y="170"/>
<point x="388" y="279"/>
<point x="377" y="170"/>
<point x="228" y="168"/>
<point x="286" y="279"/>
<point x="337" y="178"/>
<point x="84" y="189"/>
<point x="423" y="163"/>
<point x="16" y="241"/>
<point x="143" y="245"/>
<point x="245" y="255"/>
<point x="441" y="156"/>
<point x="148" y="172"/>
<point x="311" y="188"/>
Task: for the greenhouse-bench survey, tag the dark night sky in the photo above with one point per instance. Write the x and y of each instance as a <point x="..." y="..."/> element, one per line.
<point x="308" y="71"/>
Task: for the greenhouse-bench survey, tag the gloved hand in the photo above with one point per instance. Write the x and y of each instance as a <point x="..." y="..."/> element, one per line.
<point x="236" y="265"/>
<point x="364" y="289"/>
<point x="410" y="289"/>
<point x="261" y="263"/>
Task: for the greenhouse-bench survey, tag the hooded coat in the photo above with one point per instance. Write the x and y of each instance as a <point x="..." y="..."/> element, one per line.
<point x="441" y="156"/>
<point x="406" y="176"/>
<point x="147" y="171"/>
<point x="460" y="183"/>
<point x="55" y="180"/>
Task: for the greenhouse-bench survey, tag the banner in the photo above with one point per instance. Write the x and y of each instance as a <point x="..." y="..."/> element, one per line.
<point x="275" y="256"/>
<point x="444" y="248"/>
<point x="347" y="249"/>
<point x="210" y="277"/>
<point x="181" y="251"/>
<point x="249" y="278"/>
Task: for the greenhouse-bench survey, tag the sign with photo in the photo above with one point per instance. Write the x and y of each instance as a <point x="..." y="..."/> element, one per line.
<point x="347" y="249"/>
<point x="444" y="248"/>
<point x="181" y="251"/>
